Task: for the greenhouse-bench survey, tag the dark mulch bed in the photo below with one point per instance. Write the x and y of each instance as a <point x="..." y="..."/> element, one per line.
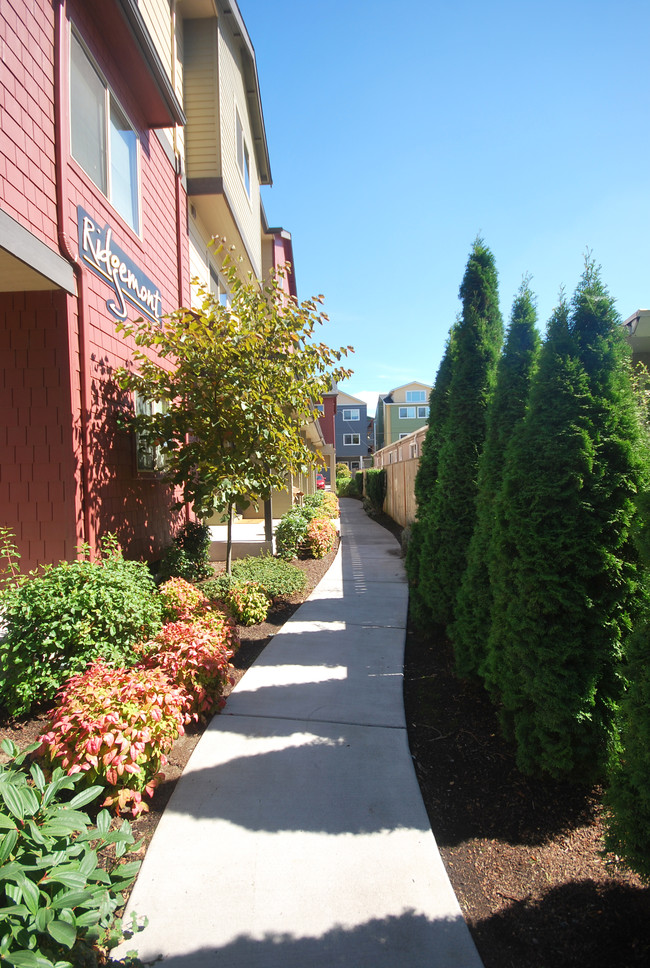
<point x="523" y="855"/>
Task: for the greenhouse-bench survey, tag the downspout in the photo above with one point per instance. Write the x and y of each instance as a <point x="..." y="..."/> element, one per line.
<point x="178" y="181"/>
<point x="68" y="248"/>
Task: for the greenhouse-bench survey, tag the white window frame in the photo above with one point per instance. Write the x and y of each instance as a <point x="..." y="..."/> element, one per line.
<point x="242" y="153"/>
<point x="415" y="396"/>
<point x="414" y="450"/>
<point x="405" y="415"/>
<point x="355" y="465"/>
<point x="351" y="442"/>
<point x="111" y="108"/>
<point x="149" y="458"/>
<point x="423" y="412"/>
<point x="348" y="414"/>
<point x="218" y="286"/>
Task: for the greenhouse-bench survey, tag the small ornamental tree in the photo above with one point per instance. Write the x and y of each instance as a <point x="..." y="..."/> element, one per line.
<point x="474" y="603"/>
<point x="450" y="522"/>
<point x="567" y="580"/>
<point x="236" y="385"/>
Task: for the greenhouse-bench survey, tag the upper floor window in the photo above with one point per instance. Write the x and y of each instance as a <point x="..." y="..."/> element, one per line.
<point x="243" y="156"/>
<point x="103" y="140"/>
<point x="219" y="288"/>
<point x="406" y="413"/>
<point x="351" y="415"/>
<point x="423" y="411"/>
<point x="415" y="396"/>
<point x="351" y="439"/>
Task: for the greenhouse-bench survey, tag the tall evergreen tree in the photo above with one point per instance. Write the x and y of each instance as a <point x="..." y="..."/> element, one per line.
<point x="474" y="603"/>
<point x="566" y="578"/>
<point x="448" y="527"/>
<point x="425" y="478"/>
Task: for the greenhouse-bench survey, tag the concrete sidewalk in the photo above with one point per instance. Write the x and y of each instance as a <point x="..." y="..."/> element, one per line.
<point x="297" y="836"/>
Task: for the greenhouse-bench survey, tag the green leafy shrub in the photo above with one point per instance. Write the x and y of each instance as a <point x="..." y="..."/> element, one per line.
<point x="326" y="503"/>
<point x="290" y="533"/>
<point x="321" y="535"/>
<point x="116" y="726"/>
<point x="376" y="483"/>
<point x="278" y="578"/>
<point x="342" y="470"/>
<point x="346" y="487"/>
<point x="358" y="480"/>
<point x="195" y="656"/>
<point x="57" y="899"/>
<point x="69" y="615"/>
<point x="181" y="598"/>
<point x="188" y="557"/>
<point x="248" y="603"/>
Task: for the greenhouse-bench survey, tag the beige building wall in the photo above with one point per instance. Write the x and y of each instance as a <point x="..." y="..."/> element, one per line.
<point x="202" y="99"/>
<point x="233" y="101"/>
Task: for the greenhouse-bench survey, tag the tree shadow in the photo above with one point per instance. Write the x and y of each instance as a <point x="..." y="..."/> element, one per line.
<point x="135" y="506"/>
<point x="596" y="917"/>
<point x="410" y="940"/>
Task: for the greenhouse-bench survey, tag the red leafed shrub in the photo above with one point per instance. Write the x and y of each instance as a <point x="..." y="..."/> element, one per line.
<point x="321" y="535"/>
<point x="181" y="598"/>
<point x="248" y="602"/>
<point x="195" y="656"/>
<point x="116" y="725"/>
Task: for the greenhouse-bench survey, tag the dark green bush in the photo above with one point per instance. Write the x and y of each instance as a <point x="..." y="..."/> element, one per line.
<point x="346" y="487"/>
<point x="188" y="557"/>
<point x="69" y="615"/>
<point x="358" y="478"/>
<point x="376" y="483"/>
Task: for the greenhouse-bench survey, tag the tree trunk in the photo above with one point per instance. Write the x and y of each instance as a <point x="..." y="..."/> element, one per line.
<point x="231" y="508"/>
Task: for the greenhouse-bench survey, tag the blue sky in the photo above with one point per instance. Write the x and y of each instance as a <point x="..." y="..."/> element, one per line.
<point x="399" y="132"/>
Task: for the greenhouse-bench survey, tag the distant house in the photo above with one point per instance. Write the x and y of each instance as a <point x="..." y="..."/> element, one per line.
<point x="351" y="431"/>
<point x="637" y="328"/>
<point x="400" y="412"/>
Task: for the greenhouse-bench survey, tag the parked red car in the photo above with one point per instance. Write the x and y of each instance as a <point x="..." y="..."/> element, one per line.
<point x="320" y="482"/>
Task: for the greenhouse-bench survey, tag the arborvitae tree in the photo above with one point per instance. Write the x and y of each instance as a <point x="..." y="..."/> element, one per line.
<point x="428" y="471"/>
<point x="628" y="793"/>
<point x="447" y="528"/>
<point x="566" y="574"/>
<point x="474" y="603"/>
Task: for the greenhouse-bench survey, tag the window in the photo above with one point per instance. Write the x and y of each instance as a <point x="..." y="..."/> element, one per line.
<point x="423" y="411"/>
<point x="243" y="157"/>
<point x="414" y="450"/>
<point x="102" y="139"/>
<point x="149" y="457"/>
<point x="415" y="396"/>
<point x="406" y="413"/>
<point x="355" y="465"/>
<point x="350" y="440"/>
<point x="218" y="287"/>
<point x="402" y="436"/>
<point x="351" y="415"/>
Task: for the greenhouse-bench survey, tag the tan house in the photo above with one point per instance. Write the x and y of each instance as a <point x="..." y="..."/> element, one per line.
<point x="638" y="335"/>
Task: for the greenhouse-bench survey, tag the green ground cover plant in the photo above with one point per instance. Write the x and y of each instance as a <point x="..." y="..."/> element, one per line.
<point x="276" y="576"/>
<point x="57" y="901"/>
<point x="68" y="615"/>
<point x="326" y="502"/>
